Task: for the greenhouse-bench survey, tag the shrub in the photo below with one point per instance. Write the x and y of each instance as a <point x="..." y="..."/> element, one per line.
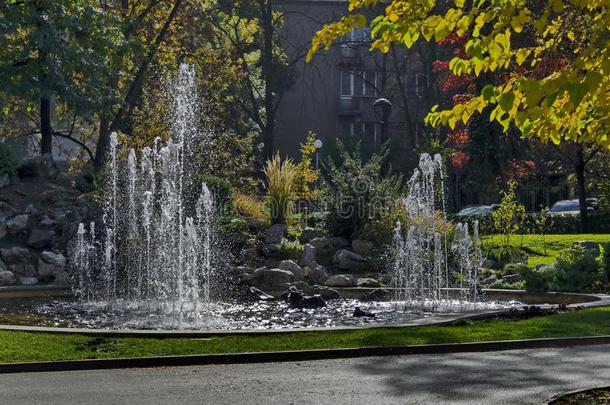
<point x="540" y="280"/>
<point x="280" y="184"/>
<point x="605" y="260"/>
<point x="576" y="270"/>
<point x="505" y="255"/>
<point x="8" y="161"/>
<point x="507" y="285"/>
<point x="514" y="268"/>
<point x="289" y="250"/>
<point x="306" y="175"/>
<point x="358" y="192"/>
<point x="508" y="217"/>
<point x="250" y="207"/>
<point x="221" y="189"/>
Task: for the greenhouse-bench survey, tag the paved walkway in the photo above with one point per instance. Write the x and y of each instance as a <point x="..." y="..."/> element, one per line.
<point x="511" y="377"/>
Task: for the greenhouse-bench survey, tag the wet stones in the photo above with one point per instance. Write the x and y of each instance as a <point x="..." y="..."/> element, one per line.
<point x="341" y="280"/>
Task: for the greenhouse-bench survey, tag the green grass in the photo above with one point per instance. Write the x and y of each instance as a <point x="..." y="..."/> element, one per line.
<point x="26" y="346"/>
<point x="533" y="245"/>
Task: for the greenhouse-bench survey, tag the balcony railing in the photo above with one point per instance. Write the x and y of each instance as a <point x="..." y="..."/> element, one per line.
<point x="349" y="105"/>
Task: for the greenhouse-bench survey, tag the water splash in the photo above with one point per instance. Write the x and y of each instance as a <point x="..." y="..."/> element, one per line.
<point x="156" y="247"/>
<point x="422" y="274"/>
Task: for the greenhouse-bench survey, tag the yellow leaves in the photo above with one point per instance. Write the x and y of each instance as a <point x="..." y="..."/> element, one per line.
<point x="330" y="32"/>
<point x="521" y="55"/>
<point x="571" y="36"/>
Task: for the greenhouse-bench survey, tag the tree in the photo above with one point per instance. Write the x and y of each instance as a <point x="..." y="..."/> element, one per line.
<point x="554" y="53"/>
<point x="46" y="48"/>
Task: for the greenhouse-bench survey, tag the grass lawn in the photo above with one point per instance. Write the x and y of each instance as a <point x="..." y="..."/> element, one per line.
<point x="26" y="346"/>
<point x="533" y="245"/>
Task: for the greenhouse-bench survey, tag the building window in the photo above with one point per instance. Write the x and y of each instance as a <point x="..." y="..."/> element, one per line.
<point x="359" y="83"/>
<point x="346" y="128"/>
<point x="357" y="36"/>
<point x="361" y="129"/>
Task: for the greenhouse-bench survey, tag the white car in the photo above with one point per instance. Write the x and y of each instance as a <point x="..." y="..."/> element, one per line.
<point x="567" y="207"/>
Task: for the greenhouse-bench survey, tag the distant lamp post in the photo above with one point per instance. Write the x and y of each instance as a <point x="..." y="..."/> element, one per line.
<point x="382" y="108"/>
<point x="317" y="144"/>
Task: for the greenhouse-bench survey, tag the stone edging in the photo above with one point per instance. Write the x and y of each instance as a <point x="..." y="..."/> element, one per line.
<point x="566" y="394"/>
<point x="301" y="355"/>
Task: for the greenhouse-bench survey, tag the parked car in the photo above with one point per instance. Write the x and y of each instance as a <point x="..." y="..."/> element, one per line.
<point x="477" y="210"/>
<point x="567" y="207"/>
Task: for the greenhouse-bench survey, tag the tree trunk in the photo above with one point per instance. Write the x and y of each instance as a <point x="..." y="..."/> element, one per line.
<point x="46" y="130"/>
<point x="579" y="167"/>
<point x="267" y="67"/>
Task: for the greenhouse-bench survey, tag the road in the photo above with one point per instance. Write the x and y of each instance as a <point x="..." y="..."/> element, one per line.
<point x="511" y="377"/>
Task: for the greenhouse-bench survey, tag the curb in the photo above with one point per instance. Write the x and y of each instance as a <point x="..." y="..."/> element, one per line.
<point x="566" y="394"/>
<point x="299" y="355"/>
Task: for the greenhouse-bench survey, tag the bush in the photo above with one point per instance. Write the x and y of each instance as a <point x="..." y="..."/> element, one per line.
<point x="221" y="189"/>
<point x="8" y="161"/>
<point x="599" y="222"/>
<point x="358" y="192"/>
<point x="505" y="255"/>
<point x="540" y="280"/>
<point x="289" y="250"/>
<point x="605" y="260"/>
<point x="250" y="207"/>
<point x="514" y="268"/>
<point x="280" y="180"/>
<point x="576" y="271"/>
<point x="507" y="285"/>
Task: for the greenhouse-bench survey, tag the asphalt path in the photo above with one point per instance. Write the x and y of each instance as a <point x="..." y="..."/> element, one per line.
<point x="510" y="377"/>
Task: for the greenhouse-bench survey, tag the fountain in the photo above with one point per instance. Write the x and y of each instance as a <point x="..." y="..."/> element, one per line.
<point x="153" y="252"/>
<point x="423" y="277"/>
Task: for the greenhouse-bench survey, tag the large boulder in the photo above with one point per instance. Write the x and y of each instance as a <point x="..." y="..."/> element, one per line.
<point x="295" y="269"/>
<point x="16" y="225"/>
<point x="16" y="255"/>
<point x="323" y="245"/>
<point x="368" y="282"/>
<point x="310" y="233"/>
<point x="316" y="274"/>
<point x="40" y="238"/>
<point x="275" y="234"/>
<point x="271" y="278"/>
<point x="2" y="228"/>
<point x="590" y="247"/>
<point x="7" y="278"/>
<point x="325" y="292"/>
<point x="339" y="242"/>
<point x="38" y="166"/>
<point x="27" y="270"/>
<point x="51" y="266"/>
<point x="346" y="260"/>
<point x="308" y="258"/>
<point x="341" y="280"/>
<point x="28" y="280"/>
<point x="296" y="299"/>
<point x="254" y="294"/>
<point x="362" y="247"/>
<point x="6" y="211"/>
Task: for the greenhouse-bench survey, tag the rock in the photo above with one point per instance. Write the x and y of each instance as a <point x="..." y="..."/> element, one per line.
<point x="512" y="278"/>
<point x="490" y="264"/>
<point x="28" y="280"/>
<point x="368" y="282"/>
<point x="275" y="234"/>
<point x="7" y="278"/>
<point x="5" y="180"/>
<point x="17" y="224"/>
<point x="359" y="313"/>
<point x="339" y="242"/>
<point x="271" y="250"/>
<point x="362" y="247"/>
<point x="3" y="266"/>
<point x="27" y="270"/>
<point x="309" y="234"/>
<point x="380" y="294"/>
<point x="341" y="280"/>
<point x="56" y="259"/>
<point x="346" y="260"/>
<point x="266" y="278"/>
<point x="236" y="271"/>
<point x="590" y="247"/>
<point x="250" y="255"/>
<point x="254" y="294"/>
<point x="295" y="269"/>
<point x="6" y="211"/>
<point x="16" y="254"/>
<point x="2" y="228"/>
<point x="308" y="258"/>
<point x="40" y="238"/>
<point x="325" y="292"/>
<point x="38" y="166"/>
<point x="296" y="299"/>
<point x="61" y="278"/>
<point x="31" y="210"/>
<point x="323" y="246"/>
<point x="47" y="222"/>
<point x="489" y="280"/>
<point x="317" y="274"/>
<point x="51" y="266"/>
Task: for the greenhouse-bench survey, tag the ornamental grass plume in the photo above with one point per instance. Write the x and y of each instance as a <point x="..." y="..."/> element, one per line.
<point x="280" y="184"/>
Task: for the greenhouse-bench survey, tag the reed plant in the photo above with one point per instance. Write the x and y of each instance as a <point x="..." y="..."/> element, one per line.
<point x="280" y="179"/>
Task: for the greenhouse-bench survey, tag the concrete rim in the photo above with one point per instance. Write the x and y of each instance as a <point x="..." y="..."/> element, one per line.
<point x="560" y="396"/>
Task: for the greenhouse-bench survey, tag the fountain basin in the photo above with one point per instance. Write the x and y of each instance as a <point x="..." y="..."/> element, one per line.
<point x="53" y="314"/>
